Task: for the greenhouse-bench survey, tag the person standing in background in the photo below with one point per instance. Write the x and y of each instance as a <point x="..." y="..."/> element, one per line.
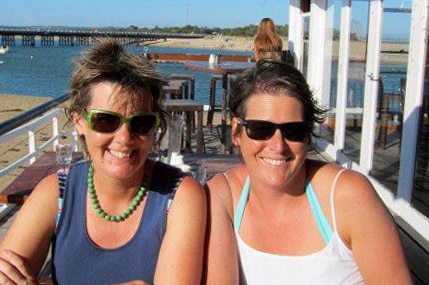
<point x="267" y="43"/>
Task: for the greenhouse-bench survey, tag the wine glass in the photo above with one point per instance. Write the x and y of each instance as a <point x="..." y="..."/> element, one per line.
<point x="64" y="153"/>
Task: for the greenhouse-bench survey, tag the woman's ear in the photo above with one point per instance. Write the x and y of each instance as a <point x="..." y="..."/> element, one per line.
<point x="235" y="131"/>
<point x="79" y="122"/>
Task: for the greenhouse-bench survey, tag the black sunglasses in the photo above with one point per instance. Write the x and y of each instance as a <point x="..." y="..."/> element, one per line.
<point x="108" y="122"/>
<point x="263" y="130"/>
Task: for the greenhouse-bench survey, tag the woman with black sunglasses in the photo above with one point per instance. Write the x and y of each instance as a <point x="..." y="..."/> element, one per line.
<point x="281" y="218"/>
<point x="124" y="218"/>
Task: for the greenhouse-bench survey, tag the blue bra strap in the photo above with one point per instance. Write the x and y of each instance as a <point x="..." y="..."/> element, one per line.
<point x="322" y="223"/>
<point x="241" y="204"/>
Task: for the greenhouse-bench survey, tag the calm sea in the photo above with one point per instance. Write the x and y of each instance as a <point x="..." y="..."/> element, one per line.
<point x="45" y="71"/>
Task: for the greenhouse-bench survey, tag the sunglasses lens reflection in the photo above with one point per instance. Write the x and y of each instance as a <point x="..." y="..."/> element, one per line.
<point x="143" y="124"/>
<point x="264" y="130"/>
<point x="260" y="130"/>
<point x="105" y="123"/>
<point x="294" y="131"/>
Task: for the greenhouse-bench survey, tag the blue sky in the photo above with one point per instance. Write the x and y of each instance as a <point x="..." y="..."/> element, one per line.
<point x="142" y="13"/>
<point x="164" y="13"/>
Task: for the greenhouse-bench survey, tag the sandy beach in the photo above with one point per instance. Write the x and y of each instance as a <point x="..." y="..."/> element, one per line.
<point x="393" y="53"/>
<point x="211" y="42"/>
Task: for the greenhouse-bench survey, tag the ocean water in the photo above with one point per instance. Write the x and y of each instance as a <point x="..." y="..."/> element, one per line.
<point x="46" y="71"/>
<point x="390" y="76"/>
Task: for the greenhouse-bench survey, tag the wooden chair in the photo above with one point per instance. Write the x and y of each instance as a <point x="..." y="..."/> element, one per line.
<point x="391" y="114"/>
<point x="212" y="100"/>
<point x="174" y="89"/>
<point x="189" y="106"/>
<point x="189" y="83"/>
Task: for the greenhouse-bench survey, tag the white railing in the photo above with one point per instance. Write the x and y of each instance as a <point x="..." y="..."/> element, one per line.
<point x="30" y="130"/>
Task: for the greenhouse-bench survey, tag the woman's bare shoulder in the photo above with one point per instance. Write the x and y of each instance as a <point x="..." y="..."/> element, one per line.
<point x="350" y="186"/>
<point x="47" y="188"/>
<point x="223" y="188"/>
<point x="228" y="181"/>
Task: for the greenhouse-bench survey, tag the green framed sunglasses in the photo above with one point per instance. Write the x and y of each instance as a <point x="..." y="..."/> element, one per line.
<point x="107" y="122"/>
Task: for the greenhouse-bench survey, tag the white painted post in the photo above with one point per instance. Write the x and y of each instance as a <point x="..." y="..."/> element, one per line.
<point x="55" y="131"/>
<point x="31" y="145"/>
<point x="413" y="96"/>
<point x="371" y="85"/>
<point x="343" y="71"/>
<point x="317" y="48"/>
<point x="75" y="140"/>
<point x="296" y="33"/>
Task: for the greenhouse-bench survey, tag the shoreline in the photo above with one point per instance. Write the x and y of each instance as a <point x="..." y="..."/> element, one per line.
<point x="229" y="43"/>
<point x="392" y="53"/>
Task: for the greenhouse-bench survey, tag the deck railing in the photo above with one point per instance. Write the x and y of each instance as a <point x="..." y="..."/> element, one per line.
<point x="27" y="124"/>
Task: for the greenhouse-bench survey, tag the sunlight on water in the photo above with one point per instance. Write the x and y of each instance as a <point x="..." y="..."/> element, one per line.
<point x="45" y="71"/>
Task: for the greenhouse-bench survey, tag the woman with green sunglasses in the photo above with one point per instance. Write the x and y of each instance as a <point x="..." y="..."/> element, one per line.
<point x="124" y="218"/>
<point x="282" y="218"/>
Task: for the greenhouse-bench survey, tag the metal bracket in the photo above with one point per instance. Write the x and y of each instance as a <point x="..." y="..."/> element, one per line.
<point x="373" y="77"/>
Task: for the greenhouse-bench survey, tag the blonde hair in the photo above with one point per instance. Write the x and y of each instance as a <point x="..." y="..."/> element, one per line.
<point x="267" y="42"/>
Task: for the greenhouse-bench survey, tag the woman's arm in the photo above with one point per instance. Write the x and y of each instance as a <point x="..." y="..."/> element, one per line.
<point x="221" y="261"/>
<point x="367" y="226"/>
<point x="24" y="249"/>
<point x="181" y="255"/>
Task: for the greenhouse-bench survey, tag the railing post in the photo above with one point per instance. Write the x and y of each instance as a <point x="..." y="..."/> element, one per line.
<point x="75" y="140"/>
<point x="55" y="131"/>
<point x="31" y="145"/>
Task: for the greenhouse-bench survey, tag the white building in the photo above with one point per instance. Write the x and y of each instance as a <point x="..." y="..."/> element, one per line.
<point x="352" y="65"/>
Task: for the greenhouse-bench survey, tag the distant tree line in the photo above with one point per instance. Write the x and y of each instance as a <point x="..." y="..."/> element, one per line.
<point x="246" y="31"/>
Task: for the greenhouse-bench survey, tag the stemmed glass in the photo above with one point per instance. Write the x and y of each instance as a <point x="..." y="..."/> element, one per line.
<point x="63" y="156"/>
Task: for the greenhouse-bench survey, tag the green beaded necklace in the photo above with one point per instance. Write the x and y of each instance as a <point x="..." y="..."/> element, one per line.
<point x="96" y="204"/>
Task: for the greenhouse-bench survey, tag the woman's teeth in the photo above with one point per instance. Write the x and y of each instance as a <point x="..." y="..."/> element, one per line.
<point x="274" y="162"/>
<point x="120" y="154"/>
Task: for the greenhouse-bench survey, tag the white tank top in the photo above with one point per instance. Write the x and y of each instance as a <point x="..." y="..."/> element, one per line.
<point x="332" y="265"/>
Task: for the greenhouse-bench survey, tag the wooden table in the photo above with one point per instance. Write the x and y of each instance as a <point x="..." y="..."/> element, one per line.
<point x="21" y="187"/>
<point x="223" y="68"/>
<point x="214" y="163"/>
<point x="46" y="164"/>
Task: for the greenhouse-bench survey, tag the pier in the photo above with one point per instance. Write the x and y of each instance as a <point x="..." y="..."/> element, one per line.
<point x="81" y="37"/>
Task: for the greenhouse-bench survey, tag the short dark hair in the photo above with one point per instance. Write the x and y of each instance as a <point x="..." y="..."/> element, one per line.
<point x="109" y="61"/>
<point x="276" y="78"/>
